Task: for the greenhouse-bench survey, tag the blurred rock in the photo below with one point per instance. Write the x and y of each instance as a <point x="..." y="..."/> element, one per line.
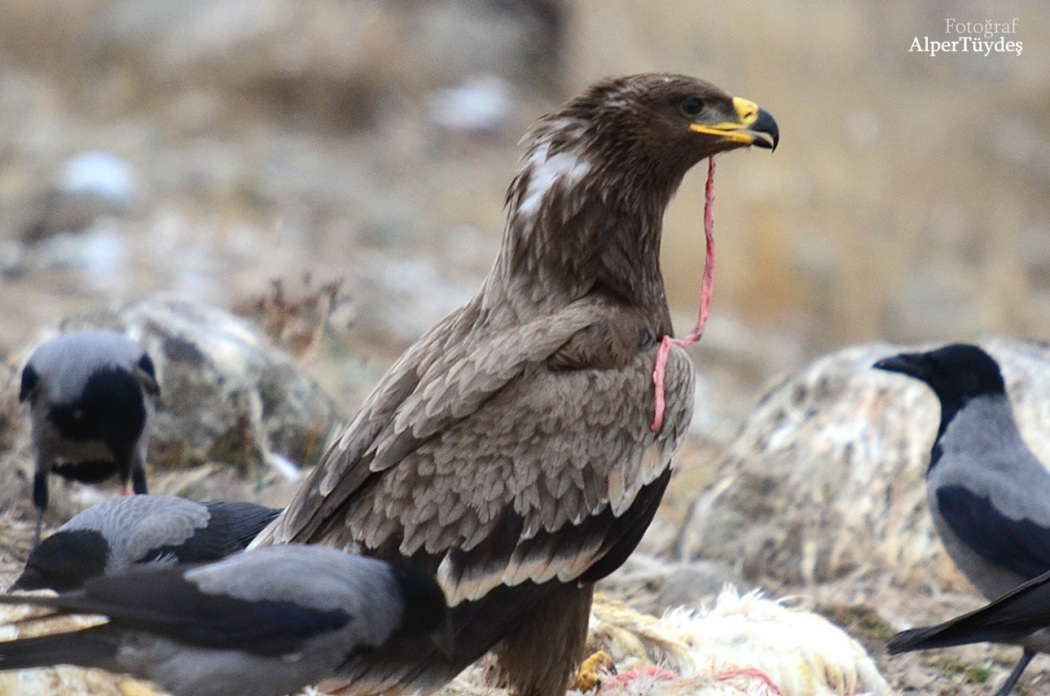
<point x="227" y="395"/>
<point x="88" y="186"/>
<point x="480" y="104"/>
<point x="99" y="252"/>
<point x="99" y="174"/>
<point x="827" y="476"/>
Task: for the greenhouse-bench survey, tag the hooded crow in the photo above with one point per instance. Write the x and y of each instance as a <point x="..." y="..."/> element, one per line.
<point x="141" y="530"/>
<point x="263" y="623"/>
<point x="988" y="494"/>
<point x="91" y="397"/>
<point x="513" y="449"/>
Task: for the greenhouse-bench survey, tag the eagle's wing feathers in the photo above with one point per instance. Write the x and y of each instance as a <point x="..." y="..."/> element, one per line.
<point x="455" y="385"/>
<point x="544" y="494"/>
<point x="444" y="377"/>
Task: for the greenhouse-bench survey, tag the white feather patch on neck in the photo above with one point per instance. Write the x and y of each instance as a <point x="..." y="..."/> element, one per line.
<point x="567" y="167"/>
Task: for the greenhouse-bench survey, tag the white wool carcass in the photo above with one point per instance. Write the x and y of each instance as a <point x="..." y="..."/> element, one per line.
<point x="744" y="644"/>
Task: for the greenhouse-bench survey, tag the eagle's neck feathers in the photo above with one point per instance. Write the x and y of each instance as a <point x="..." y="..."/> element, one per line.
<point x="580" y="220"/>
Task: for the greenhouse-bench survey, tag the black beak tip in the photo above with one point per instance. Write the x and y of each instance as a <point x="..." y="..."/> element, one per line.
<point x="765" y="123"/>
<point x="887" y="365"/>
<point x="904" y="364"/>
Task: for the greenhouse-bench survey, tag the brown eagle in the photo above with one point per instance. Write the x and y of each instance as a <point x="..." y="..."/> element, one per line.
<point x="509" y="449"/>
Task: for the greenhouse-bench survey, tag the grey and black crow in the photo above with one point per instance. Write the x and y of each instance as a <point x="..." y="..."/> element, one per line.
<point x="141" y="530"/>
<point x="91" y="396"/>
<point x="988" y="494"/>
<point x="262" y="623"/>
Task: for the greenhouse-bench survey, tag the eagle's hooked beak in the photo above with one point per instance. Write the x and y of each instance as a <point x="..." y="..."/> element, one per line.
<point x="754" y="126"/>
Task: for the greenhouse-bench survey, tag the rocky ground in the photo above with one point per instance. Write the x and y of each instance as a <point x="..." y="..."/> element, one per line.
<point x="333" y="171"/>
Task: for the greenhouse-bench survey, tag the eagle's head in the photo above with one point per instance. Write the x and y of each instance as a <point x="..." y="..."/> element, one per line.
<point x="586" y="207"/>
<point x="642" y="131"/>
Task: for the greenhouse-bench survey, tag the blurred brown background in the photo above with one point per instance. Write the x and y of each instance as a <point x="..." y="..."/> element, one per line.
<point x="372" y="141"/>
<point x="213" y="146"/>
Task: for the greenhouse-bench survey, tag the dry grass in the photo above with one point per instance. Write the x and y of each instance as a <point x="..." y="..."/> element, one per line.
<point x="298" y="318"/>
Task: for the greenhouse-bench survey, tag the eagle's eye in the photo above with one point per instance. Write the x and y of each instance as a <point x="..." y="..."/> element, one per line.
<point x="691" y="106"/>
